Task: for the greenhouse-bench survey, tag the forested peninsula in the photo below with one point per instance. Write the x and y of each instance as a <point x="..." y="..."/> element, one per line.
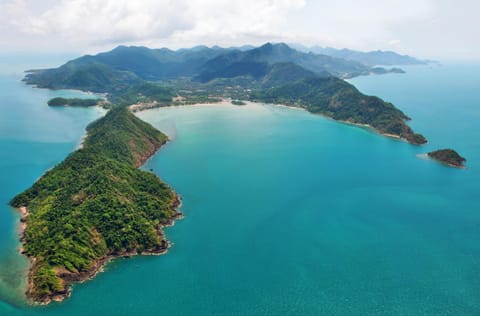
<point x="94" y="206"/>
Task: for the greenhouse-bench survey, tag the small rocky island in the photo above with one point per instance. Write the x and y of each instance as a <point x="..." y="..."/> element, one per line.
<point x="449" y="157"/>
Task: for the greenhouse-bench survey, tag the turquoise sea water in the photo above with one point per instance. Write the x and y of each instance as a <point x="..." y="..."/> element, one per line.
<point x="287" y="213"/>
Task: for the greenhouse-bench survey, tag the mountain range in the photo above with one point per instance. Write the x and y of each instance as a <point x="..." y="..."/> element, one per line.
<point x="124" y="66"/>
<point x="272" y="73"/>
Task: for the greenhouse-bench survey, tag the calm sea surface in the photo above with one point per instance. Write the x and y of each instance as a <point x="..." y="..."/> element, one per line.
<point x="287" y="213"/>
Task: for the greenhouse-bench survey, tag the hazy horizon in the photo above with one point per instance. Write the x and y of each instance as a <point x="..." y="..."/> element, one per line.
<point x="426" y="29"/>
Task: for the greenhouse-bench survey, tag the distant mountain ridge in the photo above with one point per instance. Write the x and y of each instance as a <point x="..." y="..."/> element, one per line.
<point x="370" y="58"/>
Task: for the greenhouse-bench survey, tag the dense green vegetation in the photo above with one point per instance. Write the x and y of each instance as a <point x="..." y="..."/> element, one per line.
<point x="340" y="100"/>
<point x="73" y="102"/>
<point x="448" y="156"/>
<point x="95" y="204"/>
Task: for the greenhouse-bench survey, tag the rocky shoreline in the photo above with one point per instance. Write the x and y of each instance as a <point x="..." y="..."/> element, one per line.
<point x="97" y="266"/>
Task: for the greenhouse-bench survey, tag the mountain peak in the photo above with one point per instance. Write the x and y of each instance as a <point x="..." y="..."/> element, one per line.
<point x="274" y="49"/>
<point x="269" y="45"/>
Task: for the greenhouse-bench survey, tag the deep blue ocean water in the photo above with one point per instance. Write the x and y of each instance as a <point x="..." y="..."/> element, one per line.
<point x="287" y="213"/>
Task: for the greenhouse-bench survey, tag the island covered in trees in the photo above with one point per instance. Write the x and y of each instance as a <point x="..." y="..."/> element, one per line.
<point x="96" y="204"/>
<point x="73" y="102"/>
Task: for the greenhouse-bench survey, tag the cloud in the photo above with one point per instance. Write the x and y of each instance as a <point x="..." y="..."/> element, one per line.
<point x="426" y="28"/>
<point x="359" y="24"/>
<point x="91" y="22"/>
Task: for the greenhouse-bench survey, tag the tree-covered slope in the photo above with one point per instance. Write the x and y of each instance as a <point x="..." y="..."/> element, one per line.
<point x="95" y="205"/>
<point x="340" y="100"/>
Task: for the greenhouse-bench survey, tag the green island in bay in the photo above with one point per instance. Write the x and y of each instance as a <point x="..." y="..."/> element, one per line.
<point x="74" y="102"/>
<point x="97" y="205"/>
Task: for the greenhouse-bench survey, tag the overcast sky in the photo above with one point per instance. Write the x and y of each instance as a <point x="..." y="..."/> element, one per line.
<point x="437" y="29"/>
